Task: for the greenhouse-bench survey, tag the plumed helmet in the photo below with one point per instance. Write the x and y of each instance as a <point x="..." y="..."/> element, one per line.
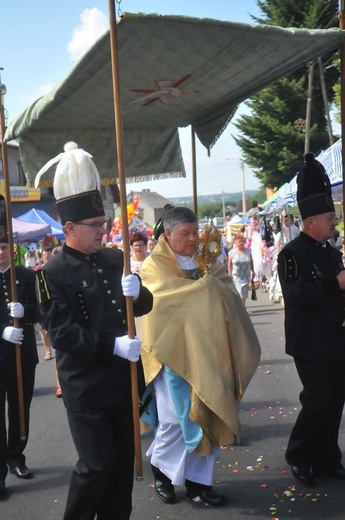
<point x="76" y="184"/>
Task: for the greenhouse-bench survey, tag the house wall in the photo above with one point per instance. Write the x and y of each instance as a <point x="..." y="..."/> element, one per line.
<point x="149" y="213"/>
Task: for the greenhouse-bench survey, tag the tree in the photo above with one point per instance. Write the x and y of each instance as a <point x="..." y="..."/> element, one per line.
<point x="210" y="210"/>
<point x="270" y="143"/>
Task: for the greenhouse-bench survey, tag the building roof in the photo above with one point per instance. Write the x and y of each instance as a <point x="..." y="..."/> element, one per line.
<point x="152" y="198"/>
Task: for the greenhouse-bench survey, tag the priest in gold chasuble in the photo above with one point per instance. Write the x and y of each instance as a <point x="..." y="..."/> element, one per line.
<point x="199" y="351"/>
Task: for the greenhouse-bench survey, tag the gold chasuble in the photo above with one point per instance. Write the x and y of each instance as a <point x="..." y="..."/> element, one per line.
<point x="201" y="330"/>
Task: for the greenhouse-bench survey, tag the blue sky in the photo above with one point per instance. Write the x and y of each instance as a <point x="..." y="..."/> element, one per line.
<point x="43" y="40"/>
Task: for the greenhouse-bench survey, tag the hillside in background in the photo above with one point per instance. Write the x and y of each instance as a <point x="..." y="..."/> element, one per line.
<point x="207" y="199"/>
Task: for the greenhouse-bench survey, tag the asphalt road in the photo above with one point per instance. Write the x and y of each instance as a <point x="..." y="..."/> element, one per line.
<point x="253" y="476"/>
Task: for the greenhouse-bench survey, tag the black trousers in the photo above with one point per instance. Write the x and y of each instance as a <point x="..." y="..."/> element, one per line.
<point x="11" y="445"/>
<point x="314" y="438"/>
<point x="102" y="481"/>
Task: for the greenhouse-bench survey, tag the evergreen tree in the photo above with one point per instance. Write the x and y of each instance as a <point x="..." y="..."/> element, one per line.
<point x="270" y="143"/>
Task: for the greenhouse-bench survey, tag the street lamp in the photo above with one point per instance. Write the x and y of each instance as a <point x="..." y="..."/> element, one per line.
<point x="3" y="91"/>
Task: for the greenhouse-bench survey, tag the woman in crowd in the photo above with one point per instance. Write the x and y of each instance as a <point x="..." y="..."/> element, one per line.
<point x="240" y="266"/>
<point x="138" y="243"/>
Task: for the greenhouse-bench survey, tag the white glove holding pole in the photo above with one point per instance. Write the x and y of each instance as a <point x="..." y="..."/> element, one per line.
<point x="130" y="285"/>
<point x="127" y="348"/>
<point x="13" y="335"/>
<point x="16" y="309"/>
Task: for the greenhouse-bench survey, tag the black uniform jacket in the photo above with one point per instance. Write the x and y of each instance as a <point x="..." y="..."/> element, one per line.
<point x="26" y="295"/>
<point x="83" y="308"/>
<point x="314" y="303"/>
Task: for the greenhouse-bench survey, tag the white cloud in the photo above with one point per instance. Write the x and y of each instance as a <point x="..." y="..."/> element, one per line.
<point x="93" y="24"/>
<point x="28" y="96"/>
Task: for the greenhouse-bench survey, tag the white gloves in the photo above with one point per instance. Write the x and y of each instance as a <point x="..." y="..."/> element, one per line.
<point x="13" y="335"/>
<point x="127" y="348"/>
<point x="130" y="285"/>
<point x="16" y="309"/>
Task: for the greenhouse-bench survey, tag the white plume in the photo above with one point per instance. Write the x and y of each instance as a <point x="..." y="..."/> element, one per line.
<point x="75" y="173"/>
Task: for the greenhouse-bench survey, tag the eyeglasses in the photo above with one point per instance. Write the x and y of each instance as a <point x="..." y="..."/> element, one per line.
<point x="94" y="225"/>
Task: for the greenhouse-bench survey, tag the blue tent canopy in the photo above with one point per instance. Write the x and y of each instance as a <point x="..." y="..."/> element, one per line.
<point x="38" y="216"/>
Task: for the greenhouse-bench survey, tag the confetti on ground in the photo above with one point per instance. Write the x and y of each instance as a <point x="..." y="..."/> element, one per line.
<point x="287" y="493"/>
<point x="291" y="495"/>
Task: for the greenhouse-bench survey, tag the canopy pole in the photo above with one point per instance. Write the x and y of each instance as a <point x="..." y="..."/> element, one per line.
<point x="125" y="235"/>
<point x="325" y="101"/>
<point x="308" y="110"/>
<point x="194" y="179"/>
<point x="342" y="93"/>
<point x="12" y="264"/>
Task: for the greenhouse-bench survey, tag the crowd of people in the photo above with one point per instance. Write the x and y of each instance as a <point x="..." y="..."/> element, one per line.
<point x="252" y="251"/>
<point x="194" y="345"/>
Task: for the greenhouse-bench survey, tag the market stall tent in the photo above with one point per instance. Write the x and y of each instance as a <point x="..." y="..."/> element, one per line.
<point x="37" y="216"/>
<point x="26" y="231"/>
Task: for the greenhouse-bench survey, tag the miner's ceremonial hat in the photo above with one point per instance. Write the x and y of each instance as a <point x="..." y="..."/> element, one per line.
<point x="76" y="184"/>
<point x="314" y="194"/>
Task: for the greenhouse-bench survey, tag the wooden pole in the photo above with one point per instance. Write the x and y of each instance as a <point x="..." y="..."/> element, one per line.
<point x="308" y="110"/>
<point x="125" y="235"/>
<point x="325" y="101"/>
<point x="194" y="179"/>
<point x="342" y="93"/>
<point x="12" y="265"/>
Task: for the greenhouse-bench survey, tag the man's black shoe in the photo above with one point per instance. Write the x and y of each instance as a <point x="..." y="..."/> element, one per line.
<point x="304" y="475"/>
<point x="203" y="494"/>
<point x="163" y="486"/>
<point x="21" y="472"/>
<point x="2" y="487"/>
<point x="336" y="473"/>
<point x="165" y="491"/>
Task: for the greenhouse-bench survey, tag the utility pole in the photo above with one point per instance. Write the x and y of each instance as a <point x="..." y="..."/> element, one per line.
<point x="244" y="202"/>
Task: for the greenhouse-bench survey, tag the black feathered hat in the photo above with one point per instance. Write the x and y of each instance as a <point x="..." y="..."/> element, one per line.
<point x="314" y="194"/>
<point x="159" y="227"/>
<point x="3" y="220"/>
